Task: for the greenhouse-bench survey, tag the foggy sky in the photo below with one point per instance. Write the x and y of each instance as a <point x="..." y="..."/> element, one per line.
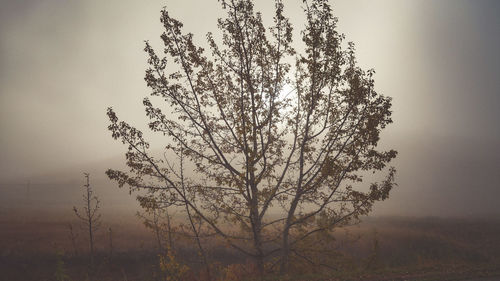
<point x="62" y="63"/>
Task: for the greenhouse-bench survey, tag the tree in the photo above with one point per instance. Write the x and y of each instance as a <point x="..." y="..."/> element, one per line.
<point x="285" y="165"/>
<point x="90" y="216"/>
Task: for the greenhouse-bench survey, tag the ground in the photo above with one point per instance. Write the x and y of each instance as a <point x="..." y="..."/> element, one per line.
<point x="38" y="247"/>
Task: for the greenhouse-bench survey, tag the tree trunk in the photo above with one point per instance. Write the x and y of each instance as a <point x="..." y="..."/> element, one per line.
<point x="285" y="247"/>
<point x="257" y="238"/>
<point x="259" y="257"/>
<point x="285" y="254"/>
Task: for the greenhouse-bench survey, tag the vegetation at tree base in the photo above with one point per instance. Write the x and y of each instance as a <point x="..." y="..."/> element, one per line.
<point x="278" y="149"/>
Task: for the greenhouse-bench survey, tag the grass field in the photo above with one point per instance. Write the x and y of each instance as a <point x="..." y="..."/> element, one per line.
<point x="38" y="246"/>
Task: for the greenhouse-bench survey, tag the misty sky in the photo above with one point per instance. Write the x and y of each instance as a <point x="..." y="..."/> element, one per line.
<point x="62" y="63"/>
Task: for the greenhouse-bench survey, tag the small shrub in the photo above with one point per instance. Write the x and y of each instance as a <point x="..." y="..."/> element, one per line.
<point x="60" y="274"/>
<point x="170" y="268"/>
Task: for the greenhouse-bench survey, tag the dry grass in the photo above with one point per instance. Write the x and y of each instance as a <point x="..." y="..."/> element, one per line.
<point x="378" y="249"/>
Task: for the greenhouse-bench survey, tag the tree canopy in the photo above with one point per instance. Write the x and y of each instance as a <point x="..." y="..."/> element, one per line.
<point x="275" y="140"/>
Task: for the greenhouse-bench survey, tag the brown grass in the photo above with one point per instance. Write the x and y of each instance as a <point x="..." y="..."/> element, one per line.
<point x="412" y="248"/>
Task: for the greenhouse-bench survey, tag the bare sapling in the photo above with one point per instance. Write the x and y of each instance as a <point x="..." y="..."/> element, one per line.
<point x="90" y="216"/>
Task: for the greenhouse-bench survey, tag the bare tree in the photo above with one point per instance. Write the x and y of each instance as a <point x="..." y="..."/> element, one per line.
<point x="261" y="134"/>
<point x="152" y="219"/>
<point x="195" y="222"/>
<point x="73" y="237"/>
<point x="159" y="210"/>
<point x="110" y="244"/>
<point x="90" y="215"/>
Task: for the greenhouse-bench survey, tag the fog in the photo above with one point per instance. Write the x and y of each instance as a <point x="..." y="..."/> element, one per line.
<point x="62" y="63"/>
